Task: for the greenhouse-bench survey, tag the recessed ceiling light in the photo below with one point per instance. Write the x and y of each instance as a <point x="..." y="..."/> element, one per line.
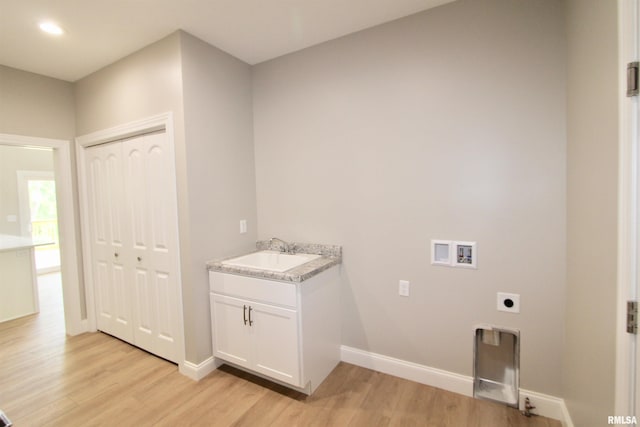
<point x="51" y="28"/>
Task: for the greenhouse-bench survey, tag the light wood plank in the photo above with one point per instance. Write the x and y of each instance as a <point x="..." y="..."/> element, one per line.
<point x="48" y="379"/>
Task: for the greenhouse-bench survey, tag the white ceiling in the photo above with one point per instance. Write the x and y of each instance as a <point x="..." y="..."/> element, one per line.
<point x="99" y="32"/>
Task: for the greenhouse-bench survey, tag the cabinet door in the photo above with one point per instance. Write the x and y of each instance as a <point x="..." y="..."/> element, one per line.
<point x="151" y="214"/>
<point x="230" y="333"/>
<point x="276" y="350"/>
<point x="109" y="240"/>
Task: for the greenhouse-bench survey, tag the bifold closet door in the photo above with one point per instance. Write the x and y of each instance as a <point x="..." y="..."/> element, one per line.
<point x="133" y="215"/>
<point x="151" y="211"/>
<point x="109" y="247"/>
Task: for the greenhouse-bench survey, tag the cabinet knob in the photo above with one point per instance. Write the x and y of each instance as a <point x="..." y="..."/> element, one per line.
<point x="116" y="254"/>
<point x="139" y="259"/>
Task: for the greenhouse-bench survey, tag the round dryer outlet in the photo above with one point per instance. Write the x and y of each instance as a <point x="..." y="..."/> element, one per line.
<point x="508" y="302"/>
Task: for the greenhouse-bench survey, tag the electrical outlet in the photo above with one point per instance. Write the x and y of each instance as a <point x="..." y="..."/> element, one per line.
<point x="243" y="226"/>
<point x="508" y="302"/>
<point x="403" y="288"/>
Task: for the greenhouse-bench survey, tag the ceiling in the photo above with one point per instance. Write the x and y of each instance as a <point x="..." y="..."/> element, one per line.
<point x="99" y="32"/>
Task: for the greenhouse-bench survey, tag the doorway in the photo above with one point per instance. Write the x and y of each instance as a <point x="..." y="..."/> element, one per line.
<point x="73" y="295"/>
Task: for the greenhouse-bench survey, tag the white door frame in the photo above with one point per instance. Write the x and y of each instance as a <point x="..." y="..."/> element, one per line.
<point x="151" y="124"/>
<point x="628" y="197"/>
<point x="74" y="323"/>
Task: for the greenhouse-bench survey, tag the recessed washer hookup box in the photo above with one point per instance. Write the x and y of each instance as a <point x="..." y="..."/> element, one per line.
<point x="496" y="365"/>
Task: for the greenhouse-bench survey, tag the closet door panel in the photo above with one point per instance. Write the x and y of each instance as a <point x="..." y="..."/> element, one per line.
<point x="138" y="189"/>
<point x="108" y="240"/>
<point x="161" y="205"/>
<point x="152" y="208"/>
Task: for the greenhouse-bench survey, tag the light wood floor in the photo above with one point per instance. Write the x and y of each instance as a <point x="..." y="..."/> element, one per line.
<point x="47" y="379"/>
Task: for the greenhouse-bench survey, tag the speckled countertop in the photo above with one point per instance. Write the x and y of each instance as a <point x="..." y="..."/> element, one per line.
<point x="331" y="255"/>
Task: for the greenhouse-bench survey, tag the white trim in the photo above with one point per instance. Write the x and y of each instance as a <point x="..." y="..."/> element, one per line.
<point x="445" y="380"/>
<point x="128" y="130"/>
<point x="566" y="417"/>
<point x="86" y="241"/>
<point x="198" y="371"/>
<point x="548" y="406"/>
<point x="627" y="212"/>
<point x="164" y="122"/>
<point x="71" y="282"/>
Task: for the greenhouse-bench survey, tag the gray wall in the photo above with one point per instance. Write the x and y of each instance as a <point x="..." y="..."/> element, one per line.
<point x="592" y="173"/>
<point x="12" y="160"/>
<point x="209" y="93"/>
<point x="448" y="124"/>
<point x="220" y="169"/>
<point x="35" y="105"/>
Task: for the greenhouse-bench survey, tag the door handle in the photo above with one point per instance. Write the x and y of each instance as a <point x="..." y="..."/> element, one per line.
<point x="244" y="314"/>
<point x="250" y="321"/>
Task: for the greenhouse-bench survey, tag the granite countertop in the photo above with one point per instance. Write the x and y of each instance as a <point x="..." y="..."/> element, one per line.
<point x="12" y="243"/>
<point x="330" y="256"/>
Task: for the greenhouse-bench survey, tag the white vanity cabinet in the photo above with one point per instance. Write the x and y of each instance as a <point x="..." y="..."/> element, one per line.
<point x="260" y="337"/>
<point x="284" y="331"/>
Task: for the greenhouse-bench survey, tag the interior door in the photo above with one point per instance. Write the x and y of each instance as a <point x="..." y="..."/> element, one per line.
<point x="109" y="246"/>
<point x="151" y="212"/>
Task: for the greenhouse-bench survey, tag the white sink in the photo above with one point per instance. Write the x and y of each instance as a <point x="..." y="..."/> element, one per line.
<point x="270" y="260"/>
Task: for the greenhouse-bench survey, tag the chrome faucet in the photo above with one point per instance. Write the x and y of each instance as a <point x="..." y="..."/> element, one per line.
<point x="284" y="246"/>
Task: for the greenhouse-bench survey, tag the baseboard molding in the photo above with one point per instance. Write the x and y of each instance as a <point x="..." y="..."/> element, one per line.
<point x="548" y="406"/>
<point x="199" y="371"/>
<point x="445" y="380"/>
<point x="77" y="328"/>
<point x="566" y="416"/>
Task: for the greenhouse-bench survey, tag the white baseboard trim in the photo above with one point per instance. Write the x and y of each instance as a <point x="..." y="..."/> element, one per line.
<point x="199" y="371"/>
<point x="445" y="380"/>
<point x="548" y="406"/>
<point x="77" y="328"/>
<point x="566" y="417"/>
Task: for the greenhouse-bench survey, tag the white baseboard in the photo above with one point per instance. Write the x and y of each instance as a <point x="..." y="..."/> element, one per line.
<point x="445" y="380"/>
<point x="566" y="417"/>
<point x="77" y="328"/>
<point x="199" y="371"/>
<point x="548" y="406"/>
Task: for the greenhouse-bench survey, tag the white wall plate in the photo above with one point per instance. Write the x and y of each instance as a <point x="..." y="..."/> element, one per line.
<point x="508" y="302"/>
